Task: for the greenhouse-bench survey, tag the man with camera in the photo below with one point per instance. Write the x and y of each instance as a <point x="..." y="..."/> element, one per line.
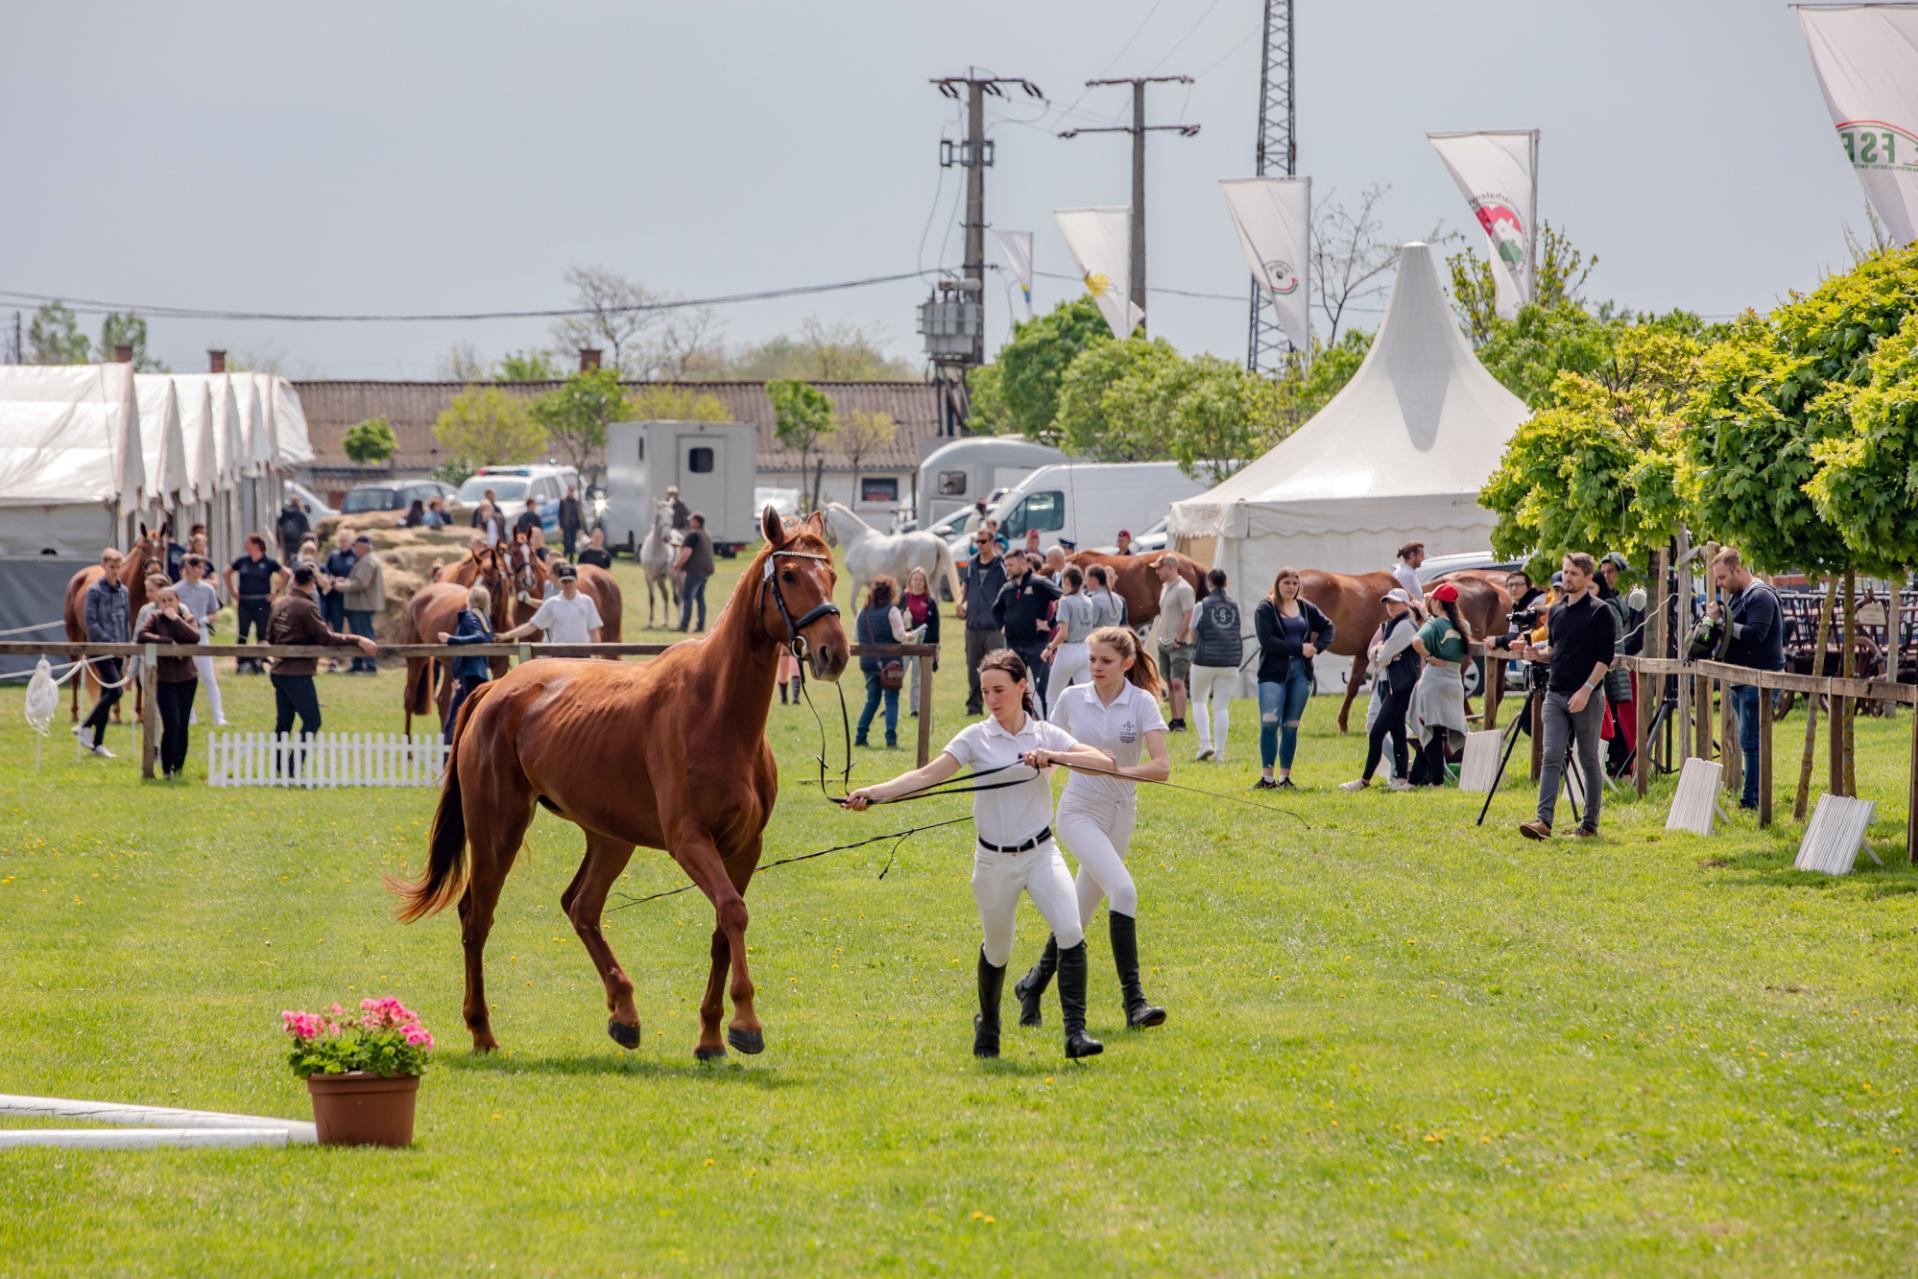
<point x="1580" y="636"/>
<point x="1756" y="638"/>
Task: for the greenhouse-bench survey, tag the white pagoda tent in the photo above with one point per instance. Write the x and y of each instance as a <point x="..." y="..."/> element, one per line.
<point x="1398" y="455"/>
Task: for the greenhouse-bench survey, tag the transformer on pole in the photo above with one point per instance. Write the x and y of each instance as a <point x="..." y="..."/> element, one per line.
<point x="1278" y="153"/>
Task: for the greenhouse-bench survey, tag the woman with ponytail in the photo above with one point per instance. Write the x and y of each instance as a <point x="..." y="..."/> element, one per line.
<point x="1438" y="699"/>
<point x="1014" y="850"/>
<point x="1117" y="714"/>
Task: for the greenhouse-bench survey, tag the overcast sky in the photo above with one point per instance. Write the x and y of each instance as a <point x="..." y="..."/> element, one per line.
<point x="456" y="157"/>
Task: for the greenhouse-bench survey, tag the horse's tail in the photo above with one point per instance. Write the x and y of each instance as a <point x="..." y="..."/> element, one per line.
<point x="446" y="861"/>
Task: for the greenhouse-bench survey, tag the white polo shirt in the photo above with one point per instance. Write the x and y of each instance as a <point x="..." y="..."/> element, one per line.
<point x="1408" y="578"/>
<point x="1014" y="814"/>
<point x="568" y="621"/>
<point x="1119" y="729"/>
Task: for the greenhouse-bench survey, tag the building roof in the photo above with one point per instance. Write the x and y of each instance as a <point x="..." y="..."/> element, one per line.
<point x="412" y="408"/>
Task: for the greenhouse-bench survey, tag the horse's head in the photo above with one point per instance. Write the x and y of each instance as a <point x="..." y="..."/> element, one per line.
<point x="841" y="523"/>
<point x="796" y="582"/>
<point x="523" y="572"/>
<point x="663" y="519"/>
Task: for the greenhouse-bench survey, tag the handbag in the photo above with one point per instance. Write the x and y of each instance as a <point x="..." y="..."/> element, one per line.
<point x="892" y="675"/>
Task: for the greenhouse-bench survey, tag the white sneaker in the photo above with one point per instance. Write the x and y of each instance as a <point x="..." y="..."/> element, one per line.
<point x="1355" y="784"/>
<point x="1398" y="783"/>
<point x="104" y="753"/>
<point x="1205" y="752"/>
<point x="80" y="736"/>
<point x="222" y="723"/>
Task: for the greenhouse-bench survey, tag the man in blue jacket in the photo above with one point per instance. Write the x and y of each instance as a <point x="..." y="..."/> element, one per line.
<point x="106" y="616"/>
<point x="1757" y="640"/>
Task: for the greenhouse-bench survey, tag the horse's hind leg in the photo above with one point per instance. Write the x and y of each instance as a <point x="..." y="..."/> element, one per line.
<point x="495" y="836"/>
<point x="583" y="902"/>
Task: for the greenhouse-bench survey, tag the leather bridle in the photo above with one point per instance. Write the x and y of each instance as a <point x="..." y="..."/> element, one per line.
<point x="793" y="642"/>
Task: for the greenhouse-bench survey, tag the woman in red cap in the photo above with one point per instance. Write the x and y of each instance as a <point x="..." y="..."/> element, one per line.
<point x="1438" y="699"/>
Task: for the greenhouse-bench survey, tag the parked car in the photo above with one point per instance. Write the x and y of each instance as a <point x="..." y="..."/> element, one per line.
<point x="393" y="495"/>
<point x="316" y="507"/>
<point x="512" y="485"/>
<point x="1151" y="540"/>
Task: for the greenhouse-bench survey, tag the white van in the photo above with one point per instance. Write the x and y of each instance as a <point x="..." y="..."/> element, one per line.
<point x="1087" y="503"/>
<point x="956" y="475"/>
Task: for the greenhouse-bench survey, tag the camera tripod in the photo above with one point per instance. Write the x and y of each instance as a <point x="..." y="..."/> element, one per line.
<point x="1519" y="725"/>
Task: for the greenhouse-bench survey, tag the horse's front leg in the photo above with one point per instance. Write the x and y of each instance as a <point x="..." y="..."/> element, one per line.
<point x="697" y="854"/>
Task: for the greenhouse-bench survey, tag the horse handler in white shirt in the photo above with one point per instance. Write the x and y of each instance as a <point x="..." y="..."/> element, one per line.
<point x="1014" y="850"/>
<point x="1118" y="715"/>
<point x="567" y="618"/>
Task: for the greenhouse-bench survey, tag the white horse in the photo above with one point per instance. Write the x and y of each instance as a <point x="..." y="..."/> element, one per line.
<point x="870" y="553"/>
<point x="656" y="556"/>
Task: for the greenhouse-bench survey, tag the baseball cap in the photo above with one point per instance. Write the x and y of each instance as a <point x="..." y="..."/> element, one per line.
<point x="1125" y="532"/>
<point x="363" y="538"/>
<point x="564" y="571"/>
<point x="1396" y="595"/>
<point x="1616" y="560"/>
<point x="1446" y="593"/>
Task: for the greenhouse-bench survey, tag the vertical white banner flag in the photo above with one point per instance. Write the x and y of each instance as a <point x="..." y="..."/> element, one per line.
<point x="1498" y="174"/>
<point x="1866" y="57"/>
<point x="1101" y="244"/>
<point x="1017" y="246"/>
<point x="1274" y="218"/>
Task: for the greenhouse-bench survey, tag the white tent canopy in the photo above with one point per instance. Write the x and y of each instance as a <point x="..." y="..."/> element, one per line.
<point x="199" y="429"/>
<point x="72" y="472"/>
<point x="1398" y="455"/>
<point x="169" y="480"/>
<point x="293" y="444"/>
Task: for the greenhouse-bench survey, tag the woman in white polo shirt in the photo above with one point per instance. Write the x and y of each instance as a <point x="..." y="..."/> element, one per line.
<point x="1117" y="714"/>
<point x="1014" y="850"/>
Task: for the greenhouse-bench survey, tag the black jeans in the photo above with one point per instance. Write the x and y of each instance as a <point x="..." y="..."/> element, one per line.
<point x="980" y="640"/>
<point x="107" y="671"/>
<point x="295" y="695"/>
<point x="465" y="687"/>
<point x="175" y="702"/>
<point x="1037" y="669"/>
<point x="569" y="538"/>
<point x="1390" y="722"/>
<point x="253" y="611"/>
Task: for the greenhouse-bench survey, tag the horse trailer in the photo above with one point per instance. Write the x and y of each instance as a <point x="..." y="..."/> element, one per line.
<point x="713" y="464"/>
<point x="956" y="475"/>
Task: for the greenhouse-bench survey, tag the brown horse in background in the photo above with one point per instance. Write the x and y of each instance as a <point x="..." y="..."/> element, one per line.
<point x="1135" y="581"/>
<point x="1351" y="600"/>
<point x="671" y="754"/>
<point x="141" y="558"/>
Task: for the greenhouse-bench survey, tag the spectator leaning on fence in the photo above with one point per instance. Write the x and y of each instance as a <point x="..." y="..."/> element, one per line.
<point x="295" y="620"/>
<point x="104" y="612"/>
<point x="365" y="596"/>
<point x="252" y="581"/>
<point x="1582" y="636"/>
<point x="1757" y="641"/>
<point x="202" y="601"/>
<point x="469" y="672"/>
<point x="567" y="618"/>
<point x="168" y="621"/>
<point x="1169" y="633"/>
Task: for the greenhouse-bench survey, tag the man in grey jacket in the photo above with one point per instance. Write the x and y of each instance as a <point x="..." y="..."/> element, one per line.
<point x="365" y="595"/>
<point x="105" y="613"/>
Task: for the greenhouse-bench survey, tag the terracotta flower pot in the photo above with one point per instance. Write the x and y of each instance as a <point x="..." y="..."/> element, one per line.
<point x="361" y="1109"/>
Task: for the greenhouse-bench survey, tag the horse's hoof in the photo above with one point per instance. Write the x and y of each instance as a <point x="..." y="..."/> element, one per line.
<point x="708" y="1054"/>
<point x="747" y="1041"/>
<point x="623" y="1035"/>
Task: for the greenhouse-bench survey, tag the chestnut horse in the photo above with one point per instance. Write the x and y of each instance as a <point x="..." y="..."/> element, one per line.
<point x="1351" y="600"/>
<point x="1135" y="581"/>
<point x="671" y="754"/>
<point x="142" y="557"/>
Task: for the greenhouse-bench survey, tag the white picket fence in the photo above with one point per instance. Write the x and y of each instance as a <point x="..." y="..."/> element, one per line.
<point x="325" y="759"/>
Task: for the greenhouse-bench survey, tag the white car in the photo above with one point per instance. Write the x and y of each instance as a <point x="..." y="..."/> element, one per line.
<point x="316" y="508"/>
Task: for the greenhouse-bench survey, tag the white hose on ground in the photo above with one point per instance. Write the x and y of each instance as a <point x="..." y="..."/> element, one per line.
<point x="114" y="1112"/>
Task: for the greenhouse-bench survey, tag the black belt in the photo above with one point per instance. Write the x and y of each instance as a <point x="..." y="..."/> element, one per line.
<point x="1026" y="847"/>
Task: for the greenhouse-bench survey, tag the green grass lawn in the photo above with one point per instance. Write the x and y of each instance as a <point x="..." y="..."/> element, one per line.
<point x="1397" y="1042"/>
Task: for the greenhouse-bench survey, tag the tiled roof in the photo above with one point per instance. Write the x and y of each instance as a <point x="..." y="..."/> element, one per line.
<point x="412" y="408"/>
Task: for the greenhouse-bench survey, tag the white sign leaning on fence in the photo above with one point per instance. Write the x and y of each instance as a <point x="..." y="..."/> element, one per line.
<point x="1866" y="57"/>
<point x="325" y="759"/>
<point x="1274" y="220"/>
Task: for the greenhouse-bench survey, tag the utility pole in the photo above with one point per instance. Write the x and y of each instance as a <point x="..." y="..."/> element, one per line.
<point x="974" y="155"/>
<point x="1138" y="129"/>
<point x="1278" y="152"/>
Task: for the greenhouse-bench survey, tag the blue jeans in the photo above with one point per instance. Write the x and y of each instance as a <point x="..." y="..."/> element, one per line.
<point x="873" y="692"/>
<point x="333" y="609"/>
<point x="693" y="589"/>
<point x="1748" y="704"/>
<point x="360" y="622"/>
<point x="1280" y="708"/>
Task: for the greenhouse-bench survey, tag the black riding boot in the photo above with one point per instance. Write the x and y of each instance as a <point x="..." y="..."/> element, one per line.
<point x="1125" y="955"/>
<point x="1030" y="990"/>
<point x="782" y="692"/>
<point x="1072" y="1003"/>
<point x="985" y="1026"/>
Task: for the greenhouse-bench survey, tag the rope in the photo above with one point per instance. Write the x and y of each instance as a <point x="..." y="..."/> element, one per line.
<point x="37" y="626"/>
<point x="75" y="665"/>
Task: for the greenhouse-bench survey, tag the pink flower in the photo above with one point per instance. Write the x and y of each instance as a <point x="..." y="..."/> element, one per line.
<point x="418" y="1036"/>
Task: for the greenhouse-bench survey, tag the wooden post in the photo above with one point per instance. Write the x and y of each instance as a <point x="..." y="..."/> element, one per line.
<point x="149" y="710"/>
<point x="1764" y="757"/>
<point x="1494" y="685"/>
<point x="925" y="709"/>
<point x="525" y="654"/>
<point x="1729" y="736"/>
<point x="1702" y="715"/>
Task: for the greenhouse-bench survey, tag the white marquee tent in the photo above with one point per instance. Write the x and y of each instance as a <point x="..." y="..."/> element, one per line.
<point x="169" y="482"/>
<point x="1398" y="455"/>
<point x="72" y="469"/>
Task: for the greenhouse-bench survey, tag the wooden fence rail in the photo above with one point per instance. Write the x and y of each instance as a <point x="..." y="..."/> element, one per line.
<point x="147" y="653"/>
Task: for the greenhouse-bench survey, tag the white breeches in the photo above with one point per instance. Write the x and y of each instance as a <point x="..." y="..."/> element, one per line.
<point x="210" y="681"/>
<point x="1099" y="833"/>
<point x="1070" y="665"/>
<point x="997" y="880"/>
<point x="1213" y="685"/>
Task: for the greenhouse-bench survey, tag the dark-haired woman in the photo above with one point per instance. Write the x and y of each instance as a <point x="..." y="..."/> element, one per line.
<point x="1438" y="699"/>
<point x="1014" y="851"/>
<point x="1117" y="714"/>
<point x="1292" y="631"/>
<point x="880" y="623"/>
<point x="415" y="515"/>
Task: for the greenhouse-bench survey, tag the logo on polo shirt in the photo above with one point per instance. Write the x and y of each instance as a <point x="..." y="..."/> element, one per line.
<point x="1129" y="732"/>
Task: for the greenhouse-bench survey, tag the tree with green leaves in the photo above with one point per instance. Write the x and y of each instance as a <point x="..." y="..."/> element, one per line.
<point x="1562" y="272"/>
<point x="370" y="442"/>
<point x="485" y="426"/>
<point x="663" y="402"/>
<point x="1866" y="484"/>
<point x="128" y="330"/>
<point x="1032" y="366"/>
<point x="1220" y="416"/>
<point x="1111" y="407"/>
<point x="576" y="413"/>
<point x="54" y="336"/>
<point x="860" y="434"/>
<point x="986" y="411"/>
<point x="842" y="352"/>
<point x="803" y="422"/>
<point x="530" y="365"/>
